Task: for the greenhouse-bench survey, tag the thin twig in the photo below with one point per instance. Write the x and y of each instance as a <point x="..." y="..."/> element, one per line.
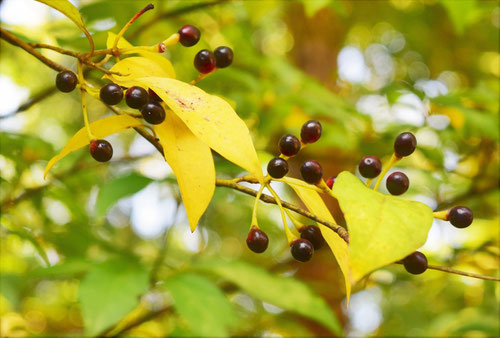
<point x="462" y="273"/>
<point x="31" y="101"/>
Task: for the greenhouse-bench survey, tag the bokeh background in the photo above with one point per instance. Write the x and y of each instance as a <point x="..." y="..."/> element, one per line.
<point x="367" y="70"/>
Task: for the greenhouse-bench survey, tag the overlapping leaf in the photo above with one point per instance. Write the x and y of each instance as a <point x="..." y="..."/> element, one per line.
<point x="192" y="163"/>
<point x="382" y="228"/>
<point x="100" y="128"/>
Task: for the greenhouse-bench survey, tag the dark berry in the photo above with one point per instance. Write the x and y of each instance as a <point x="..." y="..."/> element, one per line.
<point x="277" y="167"/>
<point x="312" y="234"/>
<point x="204" y="61"/>
<point x="153" y="113"/>
<point x="66" y="81"/>
<point x="370" y="167"/>
<point x="302" y="249"/>
<point x="330" y="181"/>
<point x="257" y="240"/>
<point x="397" y="183"/>
<point x="311" y="172"/>
<point x="111" y="94"/>
<point x="189" y="35"/>
<point x="101" y="150"/>
<point x="153" y="96"/>
<point x="310" y="132"/>
<point x="289" y="145"/>
<point x="416" y="263"/>
<point x="223" y="56"/>
<point x="405" y="144"/>
<point x="460" y="217"/>
<point x="136" y="97"/>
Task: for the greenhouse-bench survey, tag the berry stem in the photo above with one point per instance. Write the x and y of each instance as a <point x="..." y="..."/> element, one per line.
<point x="441" y="214"/>
<point x="298" y="183"/>
<point x="298" y="225"/>
<point x="369" y="182"/>
<point x="255" y="207"/>
<point x="171" y="40"/>
<point x="131" y="21"/>
<point x="289" y="235"/>
<point x="394" y="159"/>
<point x="201" y="76"/>
<point x="81" y="80"/>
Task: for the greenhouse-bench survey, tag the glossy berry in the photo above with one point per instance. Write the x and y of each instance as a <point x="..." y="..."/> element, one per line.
<point x="311" y="172"/>
<point x="189" y="35"/>
<point x="153" y="113"/>
<point x="223" y="56"/>
<point x="310" y="132"/>
<point x="416" y="263"/>
<point x="66" y="81"/>
<point x="101" y="150"/>
<point x="370" y="167"/>
<point x="277" y="167"/>
<point x="397" y="183"/>
<point x="330" y="181"/>
<point x="257" y="240"/>
<point x="204" y="61"/>
<point x="153" y="96"/>
<point x="302" y="250"/>
<point x="312" y="234"/>
<point x="111" y="94"/>
<point x="289" y="145"/>
<point x="405" y="144"/>
<point x="136" y="97"/>
<point x="460" y="217"/>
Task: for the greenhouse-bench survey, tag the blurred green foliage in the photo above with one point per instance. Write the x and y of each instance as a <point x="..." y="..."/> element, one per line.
<point x="80" y="251"/>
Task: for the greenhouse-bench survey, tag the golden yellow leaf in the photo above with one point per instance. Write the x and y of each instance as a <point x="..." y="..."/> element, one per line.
<point x="316" y="205"/>
<point x="211" y="119"/>
<point x="100" y="128"/>
<point x="192" y="163"/>
<point x="135" y="67"/>
<point x="122" y="43"/>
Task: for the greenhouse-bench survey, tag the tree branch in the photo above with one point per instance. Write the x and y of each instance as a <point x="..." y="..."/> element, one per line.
<point x="462" y="273"/>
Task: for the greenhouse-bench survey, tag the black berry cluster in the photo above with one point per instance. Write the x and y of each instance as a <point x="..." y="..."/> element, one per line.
<point x="206" y="61"/>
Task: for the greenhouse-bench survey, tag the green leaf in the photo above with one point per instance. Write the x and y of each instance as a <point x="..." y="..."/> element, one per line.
<point x="285" y="292"/>
<point x="382" y="228"/>
<point x="69" y="267"/>
<point x="202" y="304"/>
<point x="120" y="187"/>
<point x="462" y="13"/>
<point x="109" y="291"/>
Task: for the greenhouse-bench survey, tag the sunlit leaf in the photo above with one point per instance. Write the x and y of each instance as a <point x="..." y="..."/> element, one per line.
<point x="285" y="292"/>
<point x="211" y="119"/>
<point x="382" y="228"/>
<point x="202" y="304"/>
<point x="100" y="128"/>
<point x="192" y="163"/>
<point x="340" y="250"/>
<point x="109" y="291"/>
<point x="138" y="66"/>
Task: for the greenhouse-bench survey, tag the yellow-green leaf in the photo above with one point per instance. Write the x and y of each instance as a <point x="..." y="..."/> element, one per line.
<point x="382" y="228"/>
<point x="211" y="119"/>
<point x="100" y="128"/>
<point x="135" y="67"/>
<point x="340" y="250"/>
<point x="192" y="163"/>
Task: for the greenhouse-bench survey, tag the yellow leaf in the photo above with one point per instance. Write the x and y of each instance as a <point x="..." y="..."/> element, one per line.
<point x="122" y="43"/>
<point x="382" y="228"/>
<point x="192" y="163"/>
<point x="100" y="128"/>
<point x="138" y="67"/>
<point x="316" y="205"/>
<point x="211" y="119"/>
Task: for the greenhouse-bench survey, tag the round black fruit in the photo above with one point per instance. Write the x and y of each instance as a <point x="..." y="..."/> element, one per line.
<point x="289" y="145"/>
<point x="370" y="167"/>
<point x="153" y="96"/>
<point x="397" y="183"/>
<point x="153" y="113"/>
<point x="189" y="35"/>
<point x="302" y="250"/>
<point x="311" y="172"/>
<point x="277" y="167"/>
<point x="416" y="263"/>
<point x="111" y="94"/>
<point x="312" y="234"/>
<point x="223" y="56"/>
<point x="136" y="97"/>
<point x="257" y="240"/>
<point x="204" y="61"/>
<point x="461" y="217"/>
<point x="310" y="132"/>
<point x="101" y="150"/>
<point x="405" y="144"/>
<point x="66" y="81"/>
